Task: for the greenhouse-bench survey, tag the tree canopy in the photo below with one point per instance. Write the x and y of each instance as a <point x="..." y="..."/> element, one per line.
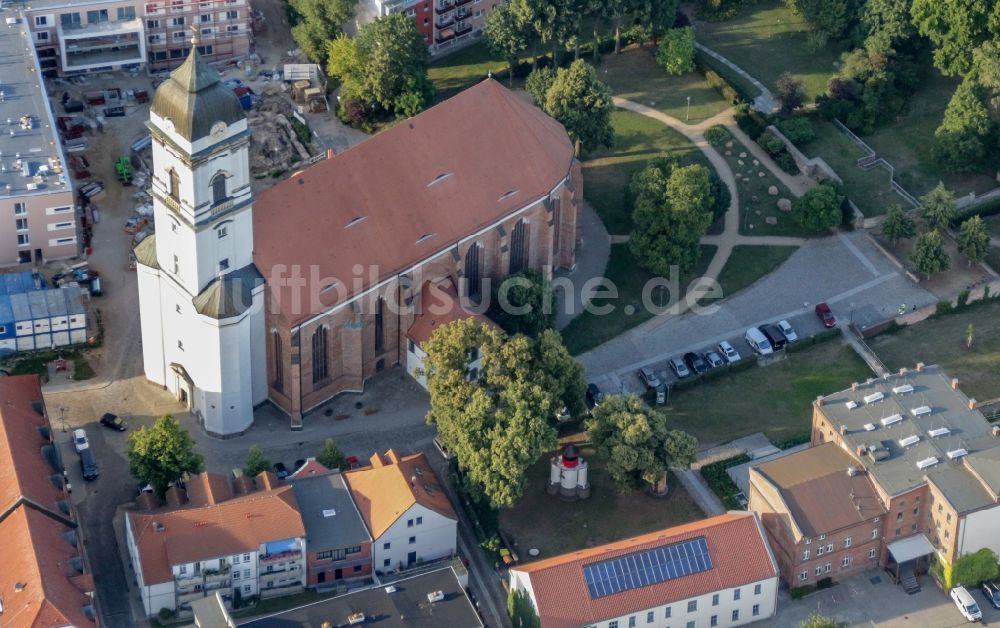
<point x="672" y="211"/>
<point x="256" y="462"/>
<point x="929" y="255"/>
<point x="937" y="207"/>
<point x="820" y="621"/>
<point x="331" y="457"/>
<point x="384" y="67"/>
<point x="500" y="420"/>
<point x="676" y="51"/>
<point x="967" y="135"/>
<point x="506" y="35"/>
<point x="898" y="225"/>
<point x="538" y="83"/>
<point x="162" y="454"/>
<point x="790" y="93"/>
<point x="836" y="19"/>
<point x="523" y="303"/>
<point x="819" y="208"/>
<point x="971" y="569"/>
<point x="973" y="239"/>
<point x="635" y="443"/>
<point x="956" y="29"/>
<point x="317" y="22"/>
<point x="582" y="104"/>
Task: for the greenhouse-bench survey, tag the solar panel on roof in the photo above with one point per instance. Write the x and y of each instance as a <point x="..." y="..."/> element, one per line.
<point x="643" y="569"/>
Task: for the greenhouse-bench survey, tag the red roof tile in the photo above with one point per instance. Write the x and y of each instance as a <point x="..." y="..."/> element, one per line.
<point x="311" y="467"/>
<point x="208" y="488"/>
<point x="439" y="305"/>
<point x="736" y="543"/>
<point x="24" y="471"/>
<point x="419" y="187"/>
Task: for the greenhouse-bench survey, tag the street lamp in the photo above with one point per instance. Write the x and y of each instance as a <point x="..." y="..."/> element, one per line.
<point x="62" y="417"/>
<point x="687" y="116"/>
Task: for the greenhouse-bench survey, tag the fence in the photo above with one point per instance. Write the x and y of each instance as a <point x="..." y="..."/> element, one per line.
<point x="872" y="160"/>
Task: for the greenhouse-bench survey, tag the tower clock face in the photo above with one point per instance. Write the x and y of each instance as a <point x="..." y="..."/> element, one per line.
<point x="218" y="129"/>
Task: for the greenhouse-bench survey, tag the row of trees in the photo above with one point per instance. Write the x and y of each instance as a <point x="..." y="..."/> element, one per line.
<point x="330" y="457"/>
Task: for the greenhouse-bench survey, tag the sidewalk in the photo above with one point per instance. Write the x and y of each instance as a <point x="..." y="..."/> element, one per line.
<point x="699" y="491"/>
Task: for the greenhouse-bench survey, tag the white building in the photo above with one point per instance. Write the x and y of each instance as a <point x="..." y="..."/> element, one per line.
<point x="408" y="514"/>
<point x="200" y="295"/>
<point x="715" y="572"/>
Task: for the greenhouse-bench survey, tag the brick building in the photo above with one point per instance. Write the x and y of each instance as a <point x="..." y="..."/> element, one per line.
<point x="445" y="24"/>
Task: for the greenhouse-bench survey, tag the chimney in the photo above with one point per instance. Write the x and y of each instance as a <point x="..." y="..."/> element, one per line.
<point x="843" y="430"/>
<point x="852" y="471"/>
<point x="819" y="400"/>
<point x="954" y="383"/>
<point x="996" y="431"/>
<point x="329" y="153"/>
<point x="854" y="386"/>
<point x="920" y="367"/>
<point x="413" y="481"/>
<point x="972" y="404"/>
<point x="902" y="371"/>
<point x="860" y="451"/>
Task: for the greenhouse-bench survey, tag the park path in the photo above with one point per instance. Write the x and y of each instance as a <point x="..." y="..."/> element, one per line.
<point x="765" y="101"/>
<point x="730" y="236"/>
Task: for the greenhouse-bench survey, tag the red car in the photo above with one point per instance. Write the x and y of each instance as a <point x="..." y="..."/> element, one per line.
<point x="825" y="315"/>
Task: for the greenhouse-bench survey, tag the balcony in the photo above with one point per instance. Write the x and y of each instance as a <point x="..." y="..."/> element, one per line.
<point x="443" y="7"/>
<point x="216" y="575"/>
<point x="459" y="3"/>
<point x="445" y="36"/>
<point x="286" y="589"/>
<point x="224" y="206"/>
<point x="188" y="579"/>
<point x="445" y="23"/>
<point x="462" y="29"/>
<point x="187" y="597"/>
<point x="462" y="14"/>
<point x="270" y="559"/>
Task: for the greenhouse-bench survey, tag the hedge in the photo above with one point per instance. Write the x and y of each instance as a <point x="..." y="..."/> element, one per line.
<point x="730" y="92"/>
<point x="720" y="482"/>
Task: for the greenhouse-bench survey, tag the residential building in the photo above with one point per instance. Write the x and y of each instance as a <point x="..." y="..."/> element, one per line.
<point x="45" y="580"/>
<point x="308" y="291"/>
<point x="445" y="24"/>
<point x="81" y="36"/>
<point x="36" y="201"/>
<point x="434" y="599"/>
<point x="931" y="456"/>
<point x="239" y="546"/>
<point x="822" y="514"/>
<point x="715" y="572"/>
<point x="32" y="317"/>
<point x="407" y="512"/>
<point x="339" y="548"/>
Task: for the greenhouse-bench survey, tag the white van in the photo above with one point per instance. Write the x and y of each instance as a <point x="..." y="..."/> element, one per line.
<point x="966" y="604"/>
<point x="758" y="341"/>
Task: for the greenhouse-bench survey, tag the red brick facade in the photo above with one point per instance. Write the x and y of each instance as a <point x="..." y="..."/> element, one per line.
<point x="332" y="569"/>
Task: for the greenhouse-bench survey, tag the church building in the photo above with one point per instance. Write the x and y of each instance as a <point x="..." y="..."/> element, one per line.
<point x="311" y="288"/>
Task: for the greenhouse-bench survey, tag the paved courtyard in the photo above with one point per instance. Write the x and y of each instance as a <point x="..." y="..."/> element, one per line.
<point x="844" y="270"/>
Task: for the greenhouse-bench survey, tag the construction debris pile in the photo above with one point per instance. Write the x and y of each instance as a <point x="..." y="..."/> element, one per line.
<point x="274" y="145"/>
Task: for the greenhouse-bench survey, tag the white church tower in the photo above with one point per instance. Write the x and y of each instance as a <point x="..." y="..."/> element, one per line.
<point x="200" y="295"/>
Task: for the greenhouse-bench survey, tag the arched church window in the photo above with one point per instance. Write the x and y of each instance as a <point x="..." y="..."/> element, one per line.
<point x="519" y="247"/>
<point x="473" y="279"/>
<point x="319" y="344"/>
<point x="175" y="185"/>
<point x="218" y="188"/>
<point x="279" y="370"/>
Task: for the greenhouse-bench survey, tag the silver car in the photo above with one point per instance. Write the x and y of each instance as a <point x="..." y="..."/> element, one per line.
<point x="648" y="377"/>
<point x="785" y="328"/>
<point x="731" y="355"/>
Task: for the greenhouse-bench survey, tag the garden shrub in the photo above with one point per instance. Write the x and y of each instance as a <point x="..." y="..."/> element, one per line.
<point x="746" y="363"/>
<point x="687" y="382"/>
<point x="800" y="592"/>
<point x="792" y="441"/>
<point x="717" y="135"/>
<point x="770" y="143"/>
<point x="747" y="122"/>
<point x="798" y="130"/>
<point x="720" y="482"/>
<point x="786" y="162"/>
<point x="944" y="307"/>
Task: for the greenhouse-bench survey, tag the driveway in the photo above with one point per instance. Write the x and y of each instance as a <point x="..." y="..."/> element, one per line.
<point x="861" y="602"/>
<point x="844" y="270"/>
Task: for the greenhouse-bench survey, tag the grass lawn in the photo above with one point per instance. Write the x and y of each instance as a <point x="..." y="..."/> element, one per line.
<point x="634" y="75"/>
<point x="607" y="173"/>
<point x="907" y="143"/>
<point x="552" y="526"/>
<point x="776" y="399"/>
<point x="756" y="205"/>
<point x="941" y="340"/>
<point x="452" y="73"/>
<point x="766" y="39"/>
<point x="589" y="330"/>
<point x="869" y="189"/>
<point x="749" y="263"/>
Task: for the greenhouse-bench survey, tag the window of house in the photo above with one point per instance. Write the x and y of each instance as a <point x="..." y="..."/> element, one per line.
<point x="246" y="574"/>
<point x="41" y="20"/>
<point x="631" y="622"/>
<point x="692" y="606"/>
<point x="20" y="208"/>
<point x="829" y="548"/>
<point x="715" y="599"/>
<point x="822" y="537"/>
<point x="247" y="588"/>
<point x="757" y="589"/>
<point x="232" y="15"/>
<point x="126" y="13"/>
<point x="180" y="35"/>
<point x="386" y="546"/>
<point x="819" y="570"/>
<point x="178" y="21"/>
<point x="613" y="624"/>
<point x="233" y="28"/>
<point x="899" y="516"/>
<point x="946" y="534"/>
<point x="846" y="561"/>
<point x="899" y="531"/>
<point x="820" y="550"/>
<point x="736" y="614"/>
<point x="690" y="624"/>
<point x="413" y="540"/>
<point x="756" y="610"/>
<point x="713" y="620"/>
<point x="224" y="264"/>
<point x="94" y="17"/>
<point x="246" y="558"/>
<point x="913" y="527"/>
<point x="649" y="617"/>
<point x="409" y="523"/>
<point x="667" y="613"/>
<point x="386" y="562"/>
<point x="847" y="542"/>
<point x="236" y="575"/>
<point x="182" y="569"/>
<point x="828" y="567"/>
<point x="205" y="50"/>
<point x="174" y="183"/>
<point x="324" y="555"/>
<point x="357" y="569"/>
<point x="319" y="358"/>
<point x="736" y="594"/>
<point x="871" y="553"/>
<point x="875" y="533"/>
<point x="21" y="224"/>
<point x="379" y="331"/>
<point x="420" y="520"/>
<point x="69" y="20"/>
<point x="175" y="53"/>
<point x="804" y="576"/>
<point x="22" y="239"/>
<point x="809" y="541"/>
<point x="222" y="231"/>
<point x="42" y="36"/>
<point x="177" y="265"/>
<point x="206" y="17"/>
<point x="948" y="518"/>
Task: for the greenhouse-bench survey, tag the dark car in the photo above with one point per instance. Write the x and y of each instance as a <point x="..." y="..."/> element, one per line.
<point x="825" y="315"/>
<point x="114" y="112"/>
<point x="87" y="464"/>
<point x="594" y="396"/>
<point x="774" y="336"/>
<point x="992" y="591"/>
<point x="714" y="359"/>
<point x="281" y="470"/>
<point x="113" y="421"/>
<point x="695" y="362"/>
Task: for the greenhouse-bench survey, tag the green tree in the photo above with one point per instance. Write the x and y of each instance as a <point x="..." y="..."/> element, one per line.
<point x="256" y="462"/>
<point x="635" y="443"/>
<point x="582" y="104"/>
<point x="538" y="83"/>
<point x="790" y="93"/>
<point x="937" y="208"/>
<point x="524" y="303"/>
<point x="971" y="569"/>
<point x="676" y="51"/>
<point x="506" y="36"/>
<point x="317" y="22"/>
<point x="551" y="20"/>
<point x="898" y="225"/>
<point x="973" y="239"/>
<point x="162" y="454"/>
<point x="672" y="210"/>
<point x="986" y="71"/>
<point x="522" y="614"/>
<point x="331" y="457"/>
<point x="819" y="208"/>
<point x="560" y="371"/>
<point x="836" y="19"/>
<point x="385" y="66"/>
<point x="887" y="23"/>
<point x="956" y="29"/>
<point x="819" y="621"/>
<point x="967" y="135"/>
<point x="497" y="421"/>
<point x="659" y="15"/>
<point x="929" y="255"/>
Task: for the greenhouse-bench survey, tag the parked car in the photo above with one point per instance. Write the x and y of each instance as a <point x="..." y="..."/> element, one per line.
<point x="966" y="604"/>
<point x="774" y="336"/>
<point x="758" y="341"/>
<point x="80" y="441"/>
<point x="563" y="415"/>
<point x="87" y="464"/>
<point x="648" y="377"/>
<point x="679" y="368"/>
<point x="280" y="470"/>
<point x="113" y="421"/>
<point x="992" y="591"/>
<point x="727" y="351"/>
<point x="825" y="315"/>
<point x="787" y="330"/>
<point x="447" y="455"/>
<point x="594" y="396"/>
<point x="713" y="359"/>
<point x="695" y="362"/>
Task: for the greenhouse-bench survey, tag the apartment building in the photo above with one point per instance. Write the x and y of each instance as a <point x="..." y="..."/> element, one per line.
<point x="36" y="198"/>
<point x="821" y="512"/>
<point x="445" y="24"/>
<point x="929" y="456"/>
<point x="80" y="36"/>
<point x="714" y="572"/>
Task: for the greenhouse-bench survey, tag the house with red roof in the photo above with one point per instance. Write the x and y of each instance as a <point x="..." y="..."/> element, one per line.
<point x="714" y="572"/>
